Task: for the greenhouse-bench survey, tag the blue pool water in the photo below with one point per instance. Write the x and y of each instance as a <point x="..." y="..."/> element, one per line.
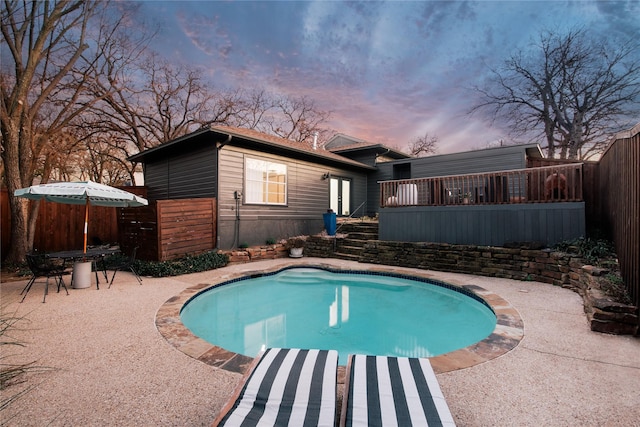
<point x="354" y="312"/>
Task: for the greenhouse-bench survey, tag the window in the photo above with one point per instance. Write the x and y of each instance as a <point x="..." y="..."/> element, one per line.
<point x="265" y="182"/>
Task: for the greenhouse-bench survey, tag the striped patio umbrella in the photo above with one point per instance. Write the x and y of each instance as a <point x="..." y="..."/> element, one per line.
<point x="82" y="193"/>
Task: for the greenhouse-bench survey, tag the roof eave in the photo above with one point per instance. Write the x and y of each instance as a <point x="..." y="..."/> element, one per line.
<point x="141" y="155"/>
<point x="237" y="136"/>
<point x="383" y="150"/>
<point x="302" y="152"/>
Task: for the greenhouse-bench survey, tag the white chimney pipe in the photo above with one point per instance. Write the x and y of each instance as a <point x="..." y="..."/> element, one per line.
<point x="315" y="141"/>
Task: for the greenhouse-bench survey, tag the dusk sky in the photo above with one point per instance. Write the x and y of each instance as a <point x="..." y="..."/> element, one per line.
<point x="388" y="71"/>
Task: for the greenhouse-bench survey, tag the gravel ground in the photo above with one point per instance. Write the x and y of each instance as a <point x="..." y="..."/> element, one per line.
<point x="110" y="366"/>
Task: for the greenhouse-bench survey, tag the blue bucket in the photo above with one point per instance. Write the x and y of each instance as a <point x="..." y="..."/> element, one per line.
<point x="330" y="223"/>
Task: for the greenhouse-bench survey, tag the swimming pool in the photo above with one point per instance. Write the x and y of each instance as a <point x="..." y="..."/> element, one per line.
<point x="352" y="312"/>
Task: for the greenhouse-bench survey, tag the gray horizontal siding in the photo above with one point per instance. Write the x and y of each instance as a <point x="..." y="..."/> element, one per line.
<point x="459" y="164"/>
<point x="493" y="225"/>
<point x="193" y="175"/>
<point x="156" y="179"/>
<point x="340" y="141"/>
<point x="364" y="157"/>
<point x="307" y="199"/>
<point x="465" y="163"/>
<point x="183" y="175"/>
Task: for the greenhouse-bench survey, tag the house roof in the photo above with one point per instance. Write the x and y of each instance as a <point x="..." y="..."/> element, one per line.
<point x="531" y="150"/>
<point x="229" y="135"/>
<point x="362" y="145"/>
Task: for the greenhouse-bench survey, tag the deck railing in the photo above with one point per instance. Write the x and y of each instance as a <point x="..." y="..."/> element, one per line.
<point x="533" y="185"/>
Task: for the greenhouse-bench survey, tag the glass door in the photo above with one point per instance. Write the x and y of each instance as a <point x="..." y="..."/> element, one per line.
<point x="340" y="196"/>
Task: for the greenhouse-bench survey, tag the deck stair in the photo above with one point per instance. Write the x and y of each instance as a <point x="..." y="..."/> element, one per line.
<point x="358" y="234"/>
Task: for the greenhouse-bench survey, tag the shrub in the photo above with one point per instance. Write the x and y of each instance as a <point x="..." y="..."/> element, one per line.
<point x="295" y="242"/>
<point x="188" y="264"/>
<point x="600" y="252"/>
<point x="593" y="251"/>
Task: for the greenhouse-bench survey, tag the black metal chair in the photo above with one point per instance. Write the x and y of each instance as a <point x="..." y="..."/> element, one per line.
<point x="41" y="266"/>
<point x="127" y="264"/>
<point x="103" y="268"/>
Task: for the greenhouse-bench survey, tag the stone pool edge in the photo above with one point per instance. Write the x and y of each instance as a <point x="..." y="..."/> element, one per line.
<point x="507" y="334"/>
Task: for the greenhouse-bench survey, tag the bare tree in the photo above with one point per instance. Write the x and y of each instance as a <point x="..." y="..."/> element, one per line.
<point x="56" y="51"/>
<point x="166" y="101"/>
<point x="251" y="108"/>
<point x="423" y="145"/>
<point x="103" y="163"/>
<point x="571" y="89"/>
<point x="294" y="118"/>
<point x="149" y="102"/>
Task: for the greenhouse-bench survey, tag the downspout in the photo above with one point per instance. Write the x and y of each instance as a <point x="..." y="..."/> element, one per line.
<point x="236" y="233"/>
<point x="219" y="146"/>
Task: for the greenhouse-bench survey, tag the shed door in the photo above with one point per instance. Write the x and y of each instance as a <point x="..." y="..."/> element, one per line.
<point x="340" y="196"/>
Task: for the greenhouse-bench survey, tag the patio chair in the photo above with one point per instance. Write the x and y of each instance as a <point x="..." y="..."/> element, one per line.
<point x="127" y="264"/>
<point x="285" y="387"/>
<point x="392" y="391"/>
<point x="103" y="268"/>
<point x="100" y="264"/>
<point x="41" y="266"/>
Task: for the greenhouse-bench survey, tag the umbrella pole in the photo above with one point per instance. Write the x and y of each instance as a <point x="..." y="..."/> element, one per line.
<point x="86" y="224"/>
<point x="82" y="276"/>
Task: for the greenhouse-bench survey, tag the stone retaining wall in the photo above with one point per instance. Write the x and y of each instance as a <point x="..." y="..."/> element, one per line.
<point x="256" y="253"/>
<point x="543" y="265"/>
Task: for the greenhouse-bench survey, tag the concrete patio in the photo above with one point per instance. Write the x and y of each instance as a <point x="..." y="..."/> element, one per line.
<point x="110" y="365"/>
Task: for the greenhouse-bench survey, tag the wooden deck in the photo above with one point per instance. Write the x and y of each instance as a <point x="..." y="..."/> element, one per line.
<point x="562" y="183"/>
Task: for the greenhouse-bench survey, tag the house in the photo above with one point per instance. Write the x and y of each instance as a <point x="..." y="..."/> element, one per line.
<point x="265" y="187"/>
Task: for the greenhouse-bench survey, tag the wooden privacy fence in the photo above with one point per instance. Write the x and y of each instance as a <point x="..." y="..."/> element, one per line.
<point x="169" y="229"/>
<point x="60" y="227"/>
<point x="559" y="183"/>
<point x="164" y="230"/>
<point x="620" y="192"/>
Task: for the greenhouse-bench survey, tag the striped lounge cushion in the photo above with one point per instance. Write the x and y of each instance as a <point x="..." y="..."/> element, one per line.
<point x="287" y="387"/>
<point x="393" y="391"/>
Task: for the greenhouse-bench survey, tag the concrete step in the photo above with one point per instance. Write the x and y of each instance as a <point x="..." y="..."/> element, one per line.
<point x="358" y="234"/>
<point x="352" y="250"/>
<point x="345" y="256"/>
<point x="362" y="236"/>
<point x="347" y="228"/>
<point x="354" y="242"/>
<point x="360" y="225"/>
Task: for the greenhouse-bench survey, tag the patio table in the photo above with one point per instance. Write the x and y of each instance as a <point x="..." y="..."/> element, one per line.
<point x="92" y="255"/>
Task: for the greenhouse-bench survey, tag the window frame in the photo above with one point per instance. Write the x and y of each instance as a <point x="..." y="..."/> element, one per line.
<point x="247" y="179"/>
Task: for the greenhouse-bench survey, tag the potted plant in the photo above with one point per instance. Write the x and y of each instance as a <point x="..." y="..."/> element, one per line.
<point x="295" y="245"/>
<point x="466" y="198"/>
